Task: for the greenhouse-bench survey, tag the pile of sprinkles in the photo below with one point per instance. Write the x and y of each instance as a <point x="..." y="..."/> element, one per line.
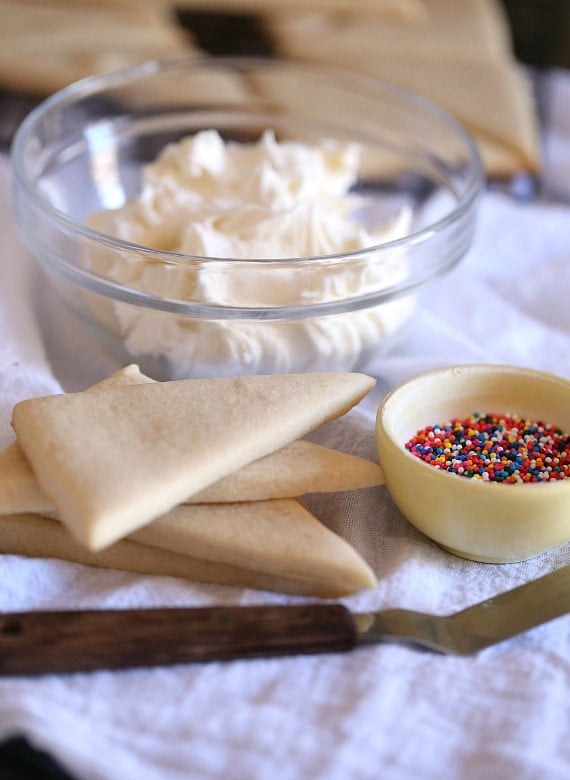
<point x="495" y="448"/>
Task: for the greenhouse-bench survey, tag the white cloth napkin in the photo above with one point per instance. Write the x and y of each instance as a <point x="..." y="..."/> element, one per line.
<point x="381" y="712"/>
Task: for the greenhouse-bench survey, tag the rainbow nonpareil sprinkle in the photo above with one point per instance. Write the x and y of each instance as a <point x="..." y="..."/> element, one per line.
<point x="495" y="448"/>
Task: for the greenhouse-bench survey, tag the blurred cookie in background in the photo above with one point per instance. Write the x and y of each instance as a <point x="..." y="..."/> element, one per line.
<point x="46" y="45"/>
<point x="457" y="54"/>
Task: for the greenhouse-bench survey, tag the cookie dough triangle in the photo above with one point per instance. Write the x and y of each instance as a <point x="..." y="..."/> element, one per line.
<point x="278" y="537"/>
<point x="19" y="489"/>
<point x="298" y="468"/>
<point x="114" y="460"/>
<point x="312" y="572"/>
<point x="42" y="537"/>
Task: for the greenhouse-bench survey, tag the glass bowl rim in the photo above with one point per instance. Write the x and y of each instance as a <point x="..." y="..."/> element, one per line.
<point x="97" y="83"/>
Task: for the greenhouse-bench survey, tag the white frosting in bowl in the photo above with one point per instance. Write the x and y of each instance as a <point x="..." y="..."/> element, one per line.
<point x="264" y="202"/>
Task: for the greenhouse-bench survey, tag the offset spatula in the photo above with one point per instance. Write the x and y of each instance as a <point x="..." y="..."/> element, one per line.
<point x="42" y="642"/>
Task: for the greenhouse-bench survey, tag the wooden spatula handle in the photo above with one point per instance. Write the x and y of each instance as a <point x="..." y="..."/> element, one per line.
<point x="44" y="642"/>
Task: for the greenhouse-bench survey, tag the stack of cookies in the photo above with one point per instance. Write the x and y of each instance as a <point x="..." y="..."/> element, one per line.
<point x="196" y="478"/>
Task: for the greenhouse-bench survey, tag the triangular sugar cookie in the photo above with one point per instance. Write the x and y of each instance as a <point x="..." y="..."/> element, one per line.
<point x="41" y="537"/>
<point x="114" y="460"/>
<point x="19" y="489"/>
<point x="296" y="469"/>
<point x="276" y="537"/>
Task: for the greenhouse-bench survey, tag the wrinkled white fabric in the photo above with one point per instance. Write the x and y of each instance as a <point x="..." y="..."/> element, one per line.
<point x="381" y="712"/>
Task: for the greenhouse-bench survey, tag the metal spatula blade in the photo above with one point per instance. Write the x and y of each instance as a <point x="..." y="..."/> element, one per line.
<point x="71" y="641"/>
<point x="479" y="626"/>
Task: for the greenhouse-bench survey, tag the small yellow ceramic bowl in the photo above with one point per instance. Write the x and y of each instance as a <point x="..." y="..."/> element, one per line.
<point x="483" y="521"/>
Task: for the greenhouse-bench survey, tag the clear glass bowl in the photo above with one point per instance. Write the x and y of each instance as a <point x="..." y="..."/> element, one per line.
<point x="83" y="150"/>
